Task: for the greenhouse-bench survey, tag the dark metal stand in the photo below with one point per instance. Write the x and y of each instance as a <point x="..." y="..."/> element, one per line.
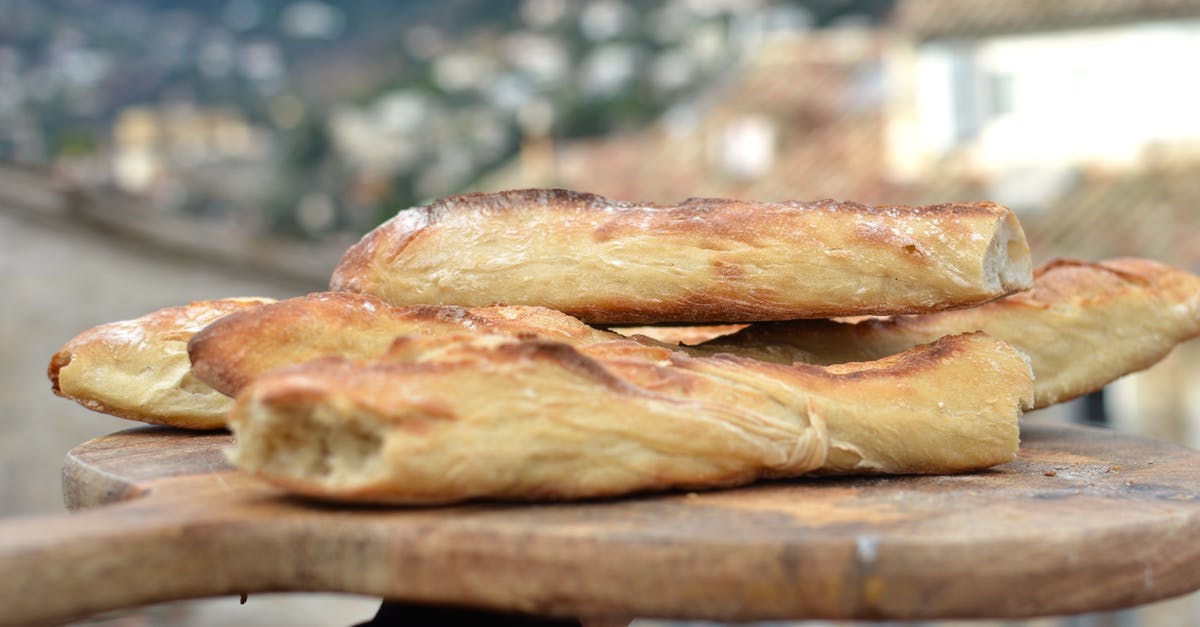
<point x="395" y="614"/>
<point x="1095" y="410"/>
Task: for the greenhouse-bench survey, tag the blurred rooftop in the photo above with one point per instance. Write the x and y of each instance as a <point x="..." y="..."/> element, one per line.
<point x="929" y="19"/>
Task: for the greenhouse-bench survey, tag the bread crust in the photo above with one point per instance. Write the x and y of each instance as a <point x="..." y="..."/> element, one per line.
<point x="231" y="352"/>
<point x="1082" y="325"/>
<point x="476" y="416"/>
<point x="138" y="369"/>
<point x="704" y="260"/>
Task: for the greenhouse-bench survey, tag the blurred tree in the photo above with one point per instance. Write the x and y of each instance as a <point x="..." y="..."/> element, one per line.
<point x="75" y="142"/>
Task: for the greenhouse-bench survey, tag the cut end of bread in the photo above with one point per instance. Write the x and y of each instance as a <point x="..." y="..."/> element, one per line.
<point x="1007" y="265"/>
<point x="60" y="360"/>
<point x="308" y="444"/>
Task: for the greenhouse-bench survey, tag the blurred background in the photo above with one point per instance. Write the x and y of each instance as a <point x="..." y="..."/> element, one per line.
<point x="157" y="152"/>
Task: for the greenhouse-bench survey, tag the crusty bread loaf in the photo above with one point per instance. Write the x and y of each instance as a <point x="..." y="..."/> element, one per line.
<point x="231" y="352"/>
<point x="1082" y="326"/>
<point x="138" y="369"/>
<point x="705" y="260"/>
<point x="451" y="418"/>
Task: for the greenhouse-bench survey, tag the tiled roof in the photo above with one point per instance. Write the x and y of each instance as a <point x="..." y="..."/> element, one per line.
<point x="932" y="19"/>
<point x="1151" y="212"/>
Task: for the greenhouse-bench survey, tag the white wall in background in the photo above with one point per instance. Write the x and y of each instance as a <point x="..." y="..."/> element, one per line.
<point x="1094" y="96"/>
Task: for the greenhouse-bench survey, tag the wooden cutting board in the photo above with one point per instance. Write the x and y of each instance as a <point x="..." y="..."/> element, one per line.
<point x="1086" y="519"/>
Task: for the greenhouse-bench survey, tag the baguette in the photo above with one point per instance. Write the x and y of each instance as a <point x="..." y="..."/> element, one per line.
<point x="1082" y="325"/>
<point x="705" y="260"/>
<point x="138" y="369"/>
<point x="231" y="352"/>
<point x="479" y="416"/>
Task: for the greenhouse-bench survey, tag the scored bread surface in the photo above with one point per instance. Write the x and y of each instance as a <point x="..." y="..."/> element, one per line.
<point x="705" y="260"/>
<point x="233" y="351"/>
<point x="478" y="416"/>
<point x="138" y="369"/>
<point x="1082" y="325"/>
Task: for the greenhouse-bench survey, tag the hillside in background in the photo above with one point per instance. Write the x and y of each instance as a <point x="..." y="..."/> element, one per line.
<point x="305" y="117"/>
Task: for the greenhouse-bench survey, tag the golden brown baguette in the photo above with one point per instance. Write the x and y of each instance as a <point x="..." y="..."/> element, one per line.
<point x="479" y="416"/>
<point x="231" y="352"/>
<point x="1082" y="325"/>
<point x="705" y="260"/>
<point x="138" y="369"/>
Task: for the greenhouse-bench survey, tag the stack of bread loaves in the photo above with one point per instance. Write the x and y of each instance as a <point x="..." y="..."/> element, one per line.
<point x="456" y="356"/>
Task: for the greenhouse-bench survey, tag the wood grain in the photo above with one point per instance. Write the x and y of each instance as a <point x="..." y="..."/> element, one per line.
<point x="1086" y="519"/>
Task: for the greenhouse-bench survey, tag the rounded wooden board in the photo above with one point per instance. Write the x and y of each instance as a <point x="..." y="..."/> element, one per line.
<point x="1086" y="519"/>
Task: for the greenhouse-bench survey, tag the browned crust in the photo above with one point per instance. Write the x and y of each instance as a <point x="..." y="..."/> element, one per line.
<point x="367" y="382"/>
<point x="58" y="361"/>
<point x="719" y="309"/>
<point x="1149" y="306"/>
<point x="357" y="259"/>
<point x="698" y="219"/>
<point x="231" y="352"/>
<point x="597" y="361"/>
<point x="169" y="324"/>
<point x="1063" y="279"/>
<point x="1094" y="284"/>
<point x="570" y="359"/>
<point x="1058" y="282"/>
<point x="728" y="218"/>
<point x="903" y="365"/>
<point x="621" y="367"/>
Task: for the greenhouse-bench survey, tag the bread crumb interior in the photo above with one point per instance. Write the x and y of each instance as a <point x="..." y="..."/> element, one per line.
<point x="309" y="443"/>
<point x="1007" y="264"/>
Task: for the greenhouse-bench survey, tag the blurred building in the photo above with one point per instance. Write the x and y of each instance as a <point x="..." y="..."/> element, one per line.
<point x="1024" y="85"/>
<point x="166" y="152"/>
<point x="801" y="117"/>
<point x="1076" y="113"/>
